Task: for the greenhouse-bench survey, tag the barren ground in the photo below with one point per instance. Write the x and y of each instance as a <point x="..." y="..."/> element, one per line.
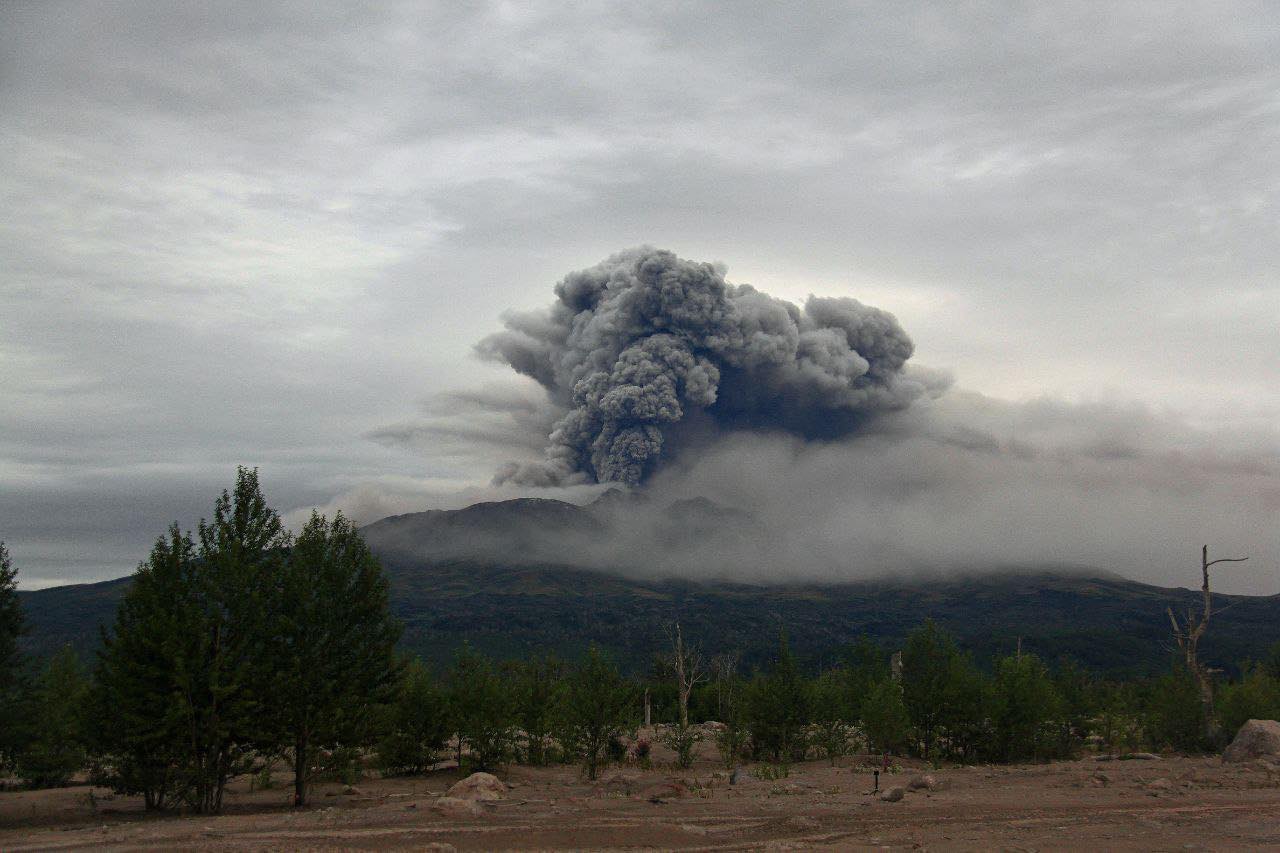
<point x="1195" y="803"/>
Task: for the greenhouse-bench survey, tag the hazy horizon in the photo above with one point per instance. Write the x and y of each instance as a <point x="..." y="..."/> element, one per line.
<point x="273" y="235"/>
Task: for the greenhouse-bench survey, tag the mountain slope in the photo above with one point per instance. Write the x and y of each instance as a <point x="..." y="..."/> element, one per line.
<point x="475" y="575"/>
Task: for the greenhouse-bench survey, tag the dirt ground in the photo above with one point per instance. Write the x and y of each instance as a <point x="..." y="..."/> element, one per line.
<point x="1174" y="803"/>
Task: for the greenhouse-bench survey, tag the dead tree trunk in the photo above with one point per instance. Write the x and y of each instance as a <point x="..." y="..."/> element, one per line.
<point x="1188" y="634"/>
<point x="687" y="663"/>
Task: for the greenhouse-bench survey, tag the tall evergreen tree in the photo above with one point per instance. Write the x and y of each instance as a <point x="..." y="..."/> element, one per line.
<point x="927" y="669"/>
<point x="139" y="729"/>
<point x="539" y="689"/>
<point x="332" y="650"/>
<point x="227" y="679"/>
<point x="415" y="725"/>
<point x="11" y="627"/>
<point x="778" y="708"/>
<point x="884" y="717"/>
<point x="189" y="669"/>
<point x="598" y="708"/>
<point x="1024" y="702"/>
<point x="482" y="702"/>
<point x="55" y="749"/>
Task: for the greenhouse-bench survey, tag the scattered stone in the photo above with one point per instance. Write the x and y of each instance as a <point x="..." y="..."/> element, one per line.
<point x="457" y="807"/>
<point x="1256" y="739"/>
<point x="668" y="790"/>
<point x="802" y="822"/>
<point x="479" y="786"/>
<point x="621" y="783"/>
<point x="894" y="794"/>
<point x="1160" y="786"/>
<point x="352" y="790"/>
<point x="925" y="782"/>
<point x="1100" y="779"/>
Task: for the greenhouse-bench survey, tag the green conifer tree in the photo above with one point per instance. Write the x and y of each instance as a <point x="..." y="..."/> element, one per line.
<point x="598" y="708"/>
<point x="56" y="746"/>
<point x="11" y="628"/>
<point x="332" y="647"/>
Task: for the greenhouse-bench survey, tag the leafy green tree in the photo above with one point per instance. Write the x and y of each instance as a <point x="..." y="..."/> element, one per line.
<point x="332" y="647"/>
<point x="1255" y="697"/>
<point x="1117" y="722"/>
<point x="539" y="689"/>
<point x="1271" y="663"/>
<point x="778" y="707"/>
<point x="1175" y="714"/>
<point x="965" y="721"/>
<point x="833" y="715"/>
<point x="1024" y="703"/>
<point x="598" y="708"/>
<point x="1078" y="707"/>
<point x="56" y="747"/>
<point x="416" y="724"/>
<point x="187" y="678"/>
<point x="927" y="670"/>
<point x="139" y="729"/>
<point x="482" y="705"/>
<point x="864" y="665"/>
<point x="884" y="717"/>
<point x="11" y="669"/>
<point x="226" y="676"/>
<point x="683" y="739"/>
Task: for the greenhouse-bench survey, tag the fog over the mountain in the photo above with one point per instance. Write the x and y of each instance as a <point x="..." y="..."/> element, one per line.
<point x="960" y="482"/>
<point x="272" y="233"/>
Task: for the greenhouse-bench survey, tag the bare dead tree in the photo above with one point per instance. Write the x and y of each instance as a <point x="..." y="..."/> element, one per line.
<point x="689" y="670"/>
<point x="725" y="667"/>
<point x="1188" y="633"/>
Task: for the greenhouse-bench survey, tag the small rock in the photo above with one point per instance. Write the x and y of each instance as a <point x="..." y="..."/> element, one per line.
<point x="1140" y="756"/>
<point x="736" y="776"/>
<point x="925" y="782"/>
<point x="352" y="790"/>
<point x="668" y="790"/>
<point x="479" y="786"/>
<point x="621" y="783"/>
<point x="894" y="794"/>
<point x="1157" y="786"/>
<point x="457" y="807"/>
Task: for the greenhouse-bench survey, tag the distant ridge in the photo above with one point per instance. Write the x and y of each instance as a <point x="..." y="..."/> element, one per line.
<point x="473" y="574"/>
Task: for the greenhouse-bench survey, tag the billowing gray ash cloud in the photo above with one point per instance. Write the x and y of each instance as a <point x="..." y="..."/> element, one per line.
<point x="646" y="351"/>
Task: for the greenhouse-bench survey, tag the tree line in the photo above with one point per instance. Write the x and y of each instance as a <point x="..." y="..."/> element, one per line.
<point x="242" y="647"/>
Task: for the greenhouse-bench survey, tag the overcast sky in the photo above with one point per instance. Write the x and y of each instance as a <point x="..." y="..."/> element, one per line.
<point x="270" y="234"/>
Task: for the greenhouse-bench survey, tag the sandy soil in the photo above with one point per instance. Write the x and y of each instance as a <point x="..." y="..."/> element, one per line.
<point x="1174" y="803"/>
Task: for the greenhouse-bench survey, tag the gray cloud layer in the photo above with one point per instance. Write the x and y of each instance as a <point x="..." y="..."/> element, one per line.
<point x="256" y="232"/>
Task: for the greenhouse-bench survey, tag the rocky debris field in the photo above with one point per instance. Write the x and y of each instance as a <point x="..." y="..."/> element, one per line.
<point x="1147" y="803"/>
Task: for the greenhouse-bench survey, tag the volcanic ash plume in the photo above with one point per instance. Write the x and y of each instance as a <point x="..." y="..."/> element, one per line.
<point x="647" y="349"/>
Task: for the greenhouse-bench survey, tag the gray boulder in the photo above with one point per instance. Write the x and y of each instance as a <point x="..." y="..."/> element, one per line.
<point x="1256" y="739"/>
<point x="893" y="795"/>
